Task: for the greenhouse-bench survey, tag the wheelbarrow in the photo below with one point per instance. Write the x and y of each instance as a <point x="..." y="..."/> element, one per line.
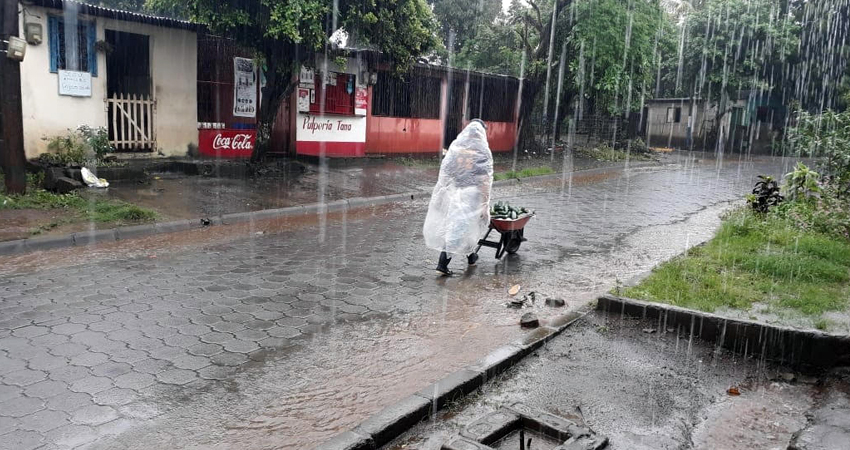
<point x="511" y="231"/>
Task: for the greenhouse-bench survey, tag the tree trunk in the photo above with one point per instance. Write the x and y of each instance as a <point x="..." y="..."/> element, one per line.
<point x="530" y="88"/>
<point x="12" y="150"/>
<point x="279" y="84"/>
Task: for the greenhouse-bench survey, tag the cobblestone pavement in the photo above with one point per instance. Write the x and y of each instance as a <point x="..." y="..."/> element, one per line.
<point x="96" y="352"/>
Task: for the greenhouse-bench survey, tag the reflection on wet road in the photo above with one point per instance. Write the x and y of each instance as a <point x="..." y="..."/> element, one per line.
<point x="305" y="327"/>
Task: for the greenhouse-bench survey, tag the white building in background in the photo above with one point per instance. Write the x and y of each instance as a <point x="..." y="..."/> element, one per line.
<point x="133" y="74"/>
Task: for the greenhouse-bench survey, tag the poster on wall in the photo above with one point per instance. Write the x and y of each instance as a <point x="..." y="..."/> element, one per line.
<point x="361" y="101"/>
<point x="75" y="84"/>
<point x="330" y="79"/>
<point x="303" y="100"/>
<point x="244" y="88"/>
<point x="307" y="77"/>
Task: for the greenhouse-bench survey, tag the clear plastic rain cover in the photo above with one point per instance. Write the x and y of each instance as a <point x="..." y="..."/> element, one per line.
<point x="459" y="212"/>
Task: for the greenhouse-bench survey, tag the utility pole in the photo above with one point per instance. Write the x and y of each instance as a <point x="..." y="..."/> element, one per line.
<point x="12" y="156"/>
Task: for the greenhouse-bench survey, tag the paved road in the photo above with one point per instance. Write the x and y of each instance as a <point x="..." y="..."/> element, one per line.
<point x="284" y="338"/>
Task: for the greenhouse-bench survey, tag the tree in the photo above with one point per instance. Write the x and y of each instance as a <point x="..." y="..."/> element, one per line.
<point x="730" y="46"/>
<point x="613" y="51"/>
<point x="495" y="48"/>
<point x="617" y="46"/>
<point x="460" y="19"/>
<point x="285" y="34"/>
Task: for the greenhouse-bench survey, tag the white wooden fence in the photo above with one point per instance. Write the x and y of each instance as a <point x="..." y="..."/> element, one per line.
<point x="132" y="122"/>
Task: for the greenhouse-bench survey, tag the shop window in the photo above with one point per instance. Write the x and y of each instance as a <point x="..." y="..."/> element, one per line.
<point x="72" y="51"/>
<point x="413" y="96"/>
<point x="492" y="99"/>
<point x="674" y="115"/>
<point x="338" y="94"/>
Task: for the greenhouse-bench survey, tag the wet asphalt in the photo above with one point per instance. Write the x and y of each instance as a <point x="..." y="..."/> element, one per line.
<point x="281" y="334"/>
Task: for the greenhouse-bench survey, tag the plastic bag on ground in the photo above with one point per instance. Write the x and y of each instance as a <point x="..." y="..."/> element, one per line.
<point x="459" y="212"/>
<point x="93" y="181"/>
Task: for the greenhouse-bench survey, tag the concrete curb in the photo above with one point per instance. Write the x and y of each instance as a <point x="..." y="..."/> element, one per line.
<point x="391" y="422"/>
<point x="122" y="233"/>
<point x="801" y="349"/>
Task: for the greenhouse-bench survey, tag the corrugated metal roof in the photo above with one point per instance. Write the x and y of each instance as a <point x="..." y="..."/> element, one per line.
<point x="117" y="14"/>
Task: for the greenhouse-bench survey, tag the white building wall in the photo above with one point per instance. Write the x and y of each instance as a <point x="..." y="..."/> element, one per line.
<point x="173" y="70"/>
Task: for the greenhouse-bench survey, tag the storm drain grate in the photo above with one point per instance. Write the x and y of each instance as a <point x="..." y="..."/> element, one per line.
<point x="488" y="432"/>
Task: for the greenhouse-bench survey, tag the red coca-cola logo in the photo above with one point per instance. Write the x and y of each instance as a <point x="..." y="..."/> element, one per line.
<point x="236" y="142"/>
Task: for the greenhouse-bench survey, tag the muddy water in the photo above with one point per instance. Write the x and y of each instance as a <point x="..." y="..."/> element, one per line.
<point x="642" y="391"/>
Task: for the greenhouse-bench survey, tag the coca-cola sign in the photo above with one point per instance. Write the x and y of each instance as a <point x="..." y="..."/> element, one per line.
<point x="227" y="143"/>
<point x="241" y="141"/>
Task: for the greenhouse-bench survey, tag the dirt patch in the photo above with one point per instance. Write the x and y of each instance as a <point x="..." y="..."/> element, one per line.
<point x="21" y="223"/>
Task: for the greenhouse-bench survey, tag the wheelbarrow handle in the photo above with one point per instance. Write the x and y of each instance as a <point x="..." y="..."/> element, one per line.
<point x="489" y="230"/>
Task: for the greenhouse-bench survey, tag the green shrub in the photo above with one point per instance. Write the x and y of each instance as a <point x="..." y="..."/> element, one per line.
<point x="802" y="183"/>
<point x="85" y="145"/>
<point x="825" y="135"/>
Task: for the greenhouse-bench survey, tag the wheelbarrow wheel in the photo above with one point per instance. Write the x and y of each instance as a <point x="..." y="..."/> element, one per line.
<point x="472" y="259"/>
<point x="513" y="245"/>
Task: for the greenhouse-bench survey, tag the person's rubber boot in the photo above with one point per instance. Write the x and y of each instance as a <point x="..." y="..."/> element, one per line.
<point x="443" y="265"/>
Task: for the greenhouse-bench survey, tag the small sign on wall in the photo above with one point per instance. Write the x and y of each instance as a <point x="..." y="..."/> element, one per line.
<point x="227" y="143"/>
<point x="361" y="101"/>
<point x="304" y="100"/>
<point x="74" y="83"/>
<point x="245" y="88"/>
<point x="307" y="77"/>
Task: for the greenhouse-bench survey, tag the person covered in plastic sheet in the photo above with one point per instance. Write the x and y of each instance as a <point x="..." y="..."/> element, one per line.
<point x="459" y="212"/>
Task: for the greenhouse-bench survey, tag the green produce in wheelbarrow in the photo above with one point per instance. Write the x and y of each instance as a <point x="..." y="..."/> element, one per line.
<point x="459" y="212"/>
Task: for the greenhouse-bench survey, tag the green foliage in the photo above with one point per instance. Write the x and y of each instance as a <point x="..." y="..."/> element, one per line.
<point x="524" y="173"/>
<point x="802" y="183"/>
<point x="97" y="139"/>
<point x="828" y="214"/>
<point x="82" y="146"/>
<point x="726" y="47"/>
<point x="62" y="150"/>
<point x="37" y="198"/>
<point x="463" y="18"/>
<point x="605" y="152"/>
<point x="496" y="48"/>
<point x="825" y="135"/>
<point x="120" y="212"/>
<point x="78" y="208"/>
<point x="765" y="195"/>
<point x="756" y="259"/>
<point x="621" y="44"/>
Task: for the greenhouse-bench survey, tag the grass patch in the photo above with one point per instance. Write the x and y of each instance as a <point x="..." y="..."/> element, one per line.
<point x="79" y="209"/>
<point x="752" y="259"/>
<point x="524" y="173"/>
<point x="426" y="163"/>
<point x="114" y="211"/>
<point x="608" y="154"/>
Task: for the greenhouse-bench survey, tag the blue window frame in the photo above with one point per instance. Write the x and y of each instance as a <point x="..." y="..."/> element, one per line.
<point x="79" y="54"/>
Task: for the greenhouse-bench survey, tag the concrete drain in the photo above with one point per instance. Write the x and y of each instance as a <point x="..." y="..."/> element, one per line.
<point x="506" y="429"/>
